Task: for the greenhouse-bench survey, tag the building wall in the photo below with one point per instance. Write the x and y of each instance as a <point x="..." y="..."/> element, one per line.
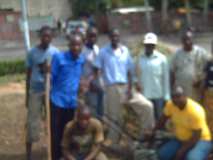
<point x="59" y="9"/>
<point x="9" y="22"/>
<point x="56" y="8"/>
<point x="136" y="22"/>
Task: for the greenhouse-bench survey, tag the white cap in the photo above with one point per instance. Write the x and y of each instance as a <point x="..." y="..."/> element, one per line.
<point x="150" y="38"/>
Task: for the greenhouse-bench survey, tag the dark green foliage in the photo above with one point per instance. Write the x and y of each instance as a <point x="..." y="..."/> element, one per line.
<point x="94" y="6"/>
<point x="12" y="67"/>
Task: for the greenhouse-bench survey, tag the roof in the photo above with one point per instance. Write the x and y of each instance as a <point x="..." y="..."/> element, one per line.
<point x="132" y="10"/>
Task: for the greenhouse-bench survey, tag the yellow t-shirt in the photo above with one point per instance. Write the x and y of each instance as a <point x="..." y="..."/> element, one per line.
<point x="192" y="117"/>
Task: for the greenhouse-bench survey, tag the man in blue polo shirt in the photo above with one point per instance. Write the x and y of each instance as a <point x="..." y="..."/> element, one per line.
<point x="116" y="66"/>
<point x="65" y="79"/>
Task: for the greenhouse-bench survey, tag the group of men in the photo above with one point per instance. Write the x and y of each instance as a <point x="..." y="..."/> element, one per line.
<point x="105" y="78"/>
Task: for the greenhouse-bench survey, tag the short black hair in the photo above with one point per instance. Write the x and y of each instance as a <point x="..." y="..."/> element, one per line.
<point x="91" y="29"/>
<point x="178" y="91"/>
<point x="44" y="29"/>
<point x="113" y="30"/>
<point x="82" y="109"/>
<point x="187" y="33"/>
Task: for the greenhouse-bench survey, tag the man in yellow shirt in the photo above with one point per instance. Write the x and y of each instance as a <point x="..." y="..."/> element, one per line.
<point x="192" y="140"/>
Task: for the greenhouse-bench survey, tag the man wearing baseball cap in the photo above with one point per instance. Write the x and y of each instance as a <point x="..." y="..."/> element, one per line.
<point x="152" y="74"/>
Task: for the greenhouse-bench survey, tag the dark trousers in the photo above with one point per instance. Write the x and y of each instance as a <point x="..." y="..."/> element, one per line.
<point x="158" y="107"/>
<point x="100" y="103"/>
<point x="59" y="119"/>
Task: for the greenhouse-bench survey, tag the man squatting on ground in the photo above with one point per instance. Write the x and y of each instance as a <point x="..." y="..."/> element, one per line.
<point x="83" y="137"/>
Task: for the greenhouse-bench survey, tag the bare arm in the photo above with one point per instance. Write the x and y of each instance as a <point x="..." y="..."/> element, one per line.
<point x="68" y="155"/>
<point x="94" y="152"/>
<point x="186" y="146"/>
<point x="69" y="146"/>
<point x="161" y="123"/>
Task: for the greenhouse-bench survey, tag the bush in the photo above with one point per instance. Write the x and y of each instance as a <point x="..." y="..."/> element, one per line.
<point x="12" y="67"/>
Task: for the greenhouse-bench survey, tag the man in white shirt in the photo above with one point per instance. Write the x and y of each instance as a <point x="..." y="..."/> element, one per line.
<point x="152" y="74"/>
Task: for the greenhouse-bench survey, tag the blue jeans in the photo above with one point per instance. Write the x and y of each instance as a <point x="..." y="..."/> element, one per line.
<point x="199" y="152"/>
<point x="158" y="107"/>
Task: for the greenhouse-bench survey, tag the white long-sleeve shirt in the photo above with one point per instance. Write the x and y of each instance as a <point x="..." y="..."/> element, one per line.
<point x="154" y="75"/>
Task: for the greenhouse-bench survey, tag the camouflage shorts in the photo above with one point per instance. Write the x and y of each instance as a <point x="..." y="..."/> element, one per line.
<point x="34" y="116"/>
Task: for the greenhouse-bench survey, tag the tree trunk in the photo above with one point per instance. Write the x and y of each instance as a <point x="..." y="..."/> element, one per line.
<point x="188" y="13"/>
<point x="164" y="10"/>
<point x="205" y="10"/>
<point x="148" y="15"/>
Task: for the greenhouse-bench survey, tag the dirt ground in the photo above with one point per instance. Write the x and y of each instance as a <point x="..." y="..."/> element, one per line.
<point x="12" y="125"/>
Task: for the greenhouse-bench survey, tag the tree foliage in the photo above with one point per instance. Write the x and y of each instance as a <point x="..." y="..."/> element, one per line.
<point x="92" y="6"/>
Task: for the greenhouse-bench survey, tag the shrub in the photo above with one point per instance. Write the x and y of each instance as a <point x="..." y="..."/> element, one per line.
<point x="12" y="67"/>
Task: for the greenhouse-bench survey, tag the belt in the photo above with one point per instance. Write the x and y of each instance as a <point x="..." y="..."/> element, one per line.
<point x="120" y="84"/>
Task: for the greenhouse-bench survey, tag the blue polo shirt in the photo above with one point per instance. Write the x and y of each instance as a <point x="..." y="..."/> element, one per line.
<point x="65" y="79"/>
<point x="35" y="59"/>
<point x="115" y="64"/>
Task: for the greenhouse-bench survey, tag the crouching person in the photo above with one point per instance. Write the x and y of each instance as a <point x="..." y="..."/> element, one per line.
<point x="192" y="139"/>
<point x="83" y="137"/>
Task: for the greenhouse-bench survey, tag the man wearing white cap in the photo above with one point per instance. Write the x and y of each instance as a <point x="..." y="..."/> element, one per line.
<point x="152" y="74"/>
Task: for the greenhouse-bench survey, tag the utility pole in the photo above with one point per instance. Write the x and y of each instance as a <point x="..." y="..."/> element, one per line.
<point x="148" y="15"/>
<point x="188" y="13"/>
<point x="25" y="25"/>
<point x="205" y="10"/>
<point x="164" y="10"/>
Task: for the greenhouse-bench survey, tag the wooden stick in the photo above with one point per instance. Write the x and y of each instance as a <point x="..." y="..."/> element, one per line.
<point x="48" y="121"/>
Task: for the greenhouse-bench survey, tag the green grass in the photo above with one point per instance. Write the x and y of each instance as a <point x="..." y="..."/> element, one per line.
<point x="12" y="78"/>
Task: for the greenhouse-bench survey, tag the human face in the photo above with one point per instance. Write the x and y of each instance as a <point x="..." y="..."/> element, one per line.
<point x="92" y="37"/>
<point x="115" y="38"/>
<point x="75" y="45"/>
<point x="149" y="48"/>
<point x="46" y="38"/>
<point x="187" y="42"/>
<point x="179" y="101"/>
<point x="83" y="121"/>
